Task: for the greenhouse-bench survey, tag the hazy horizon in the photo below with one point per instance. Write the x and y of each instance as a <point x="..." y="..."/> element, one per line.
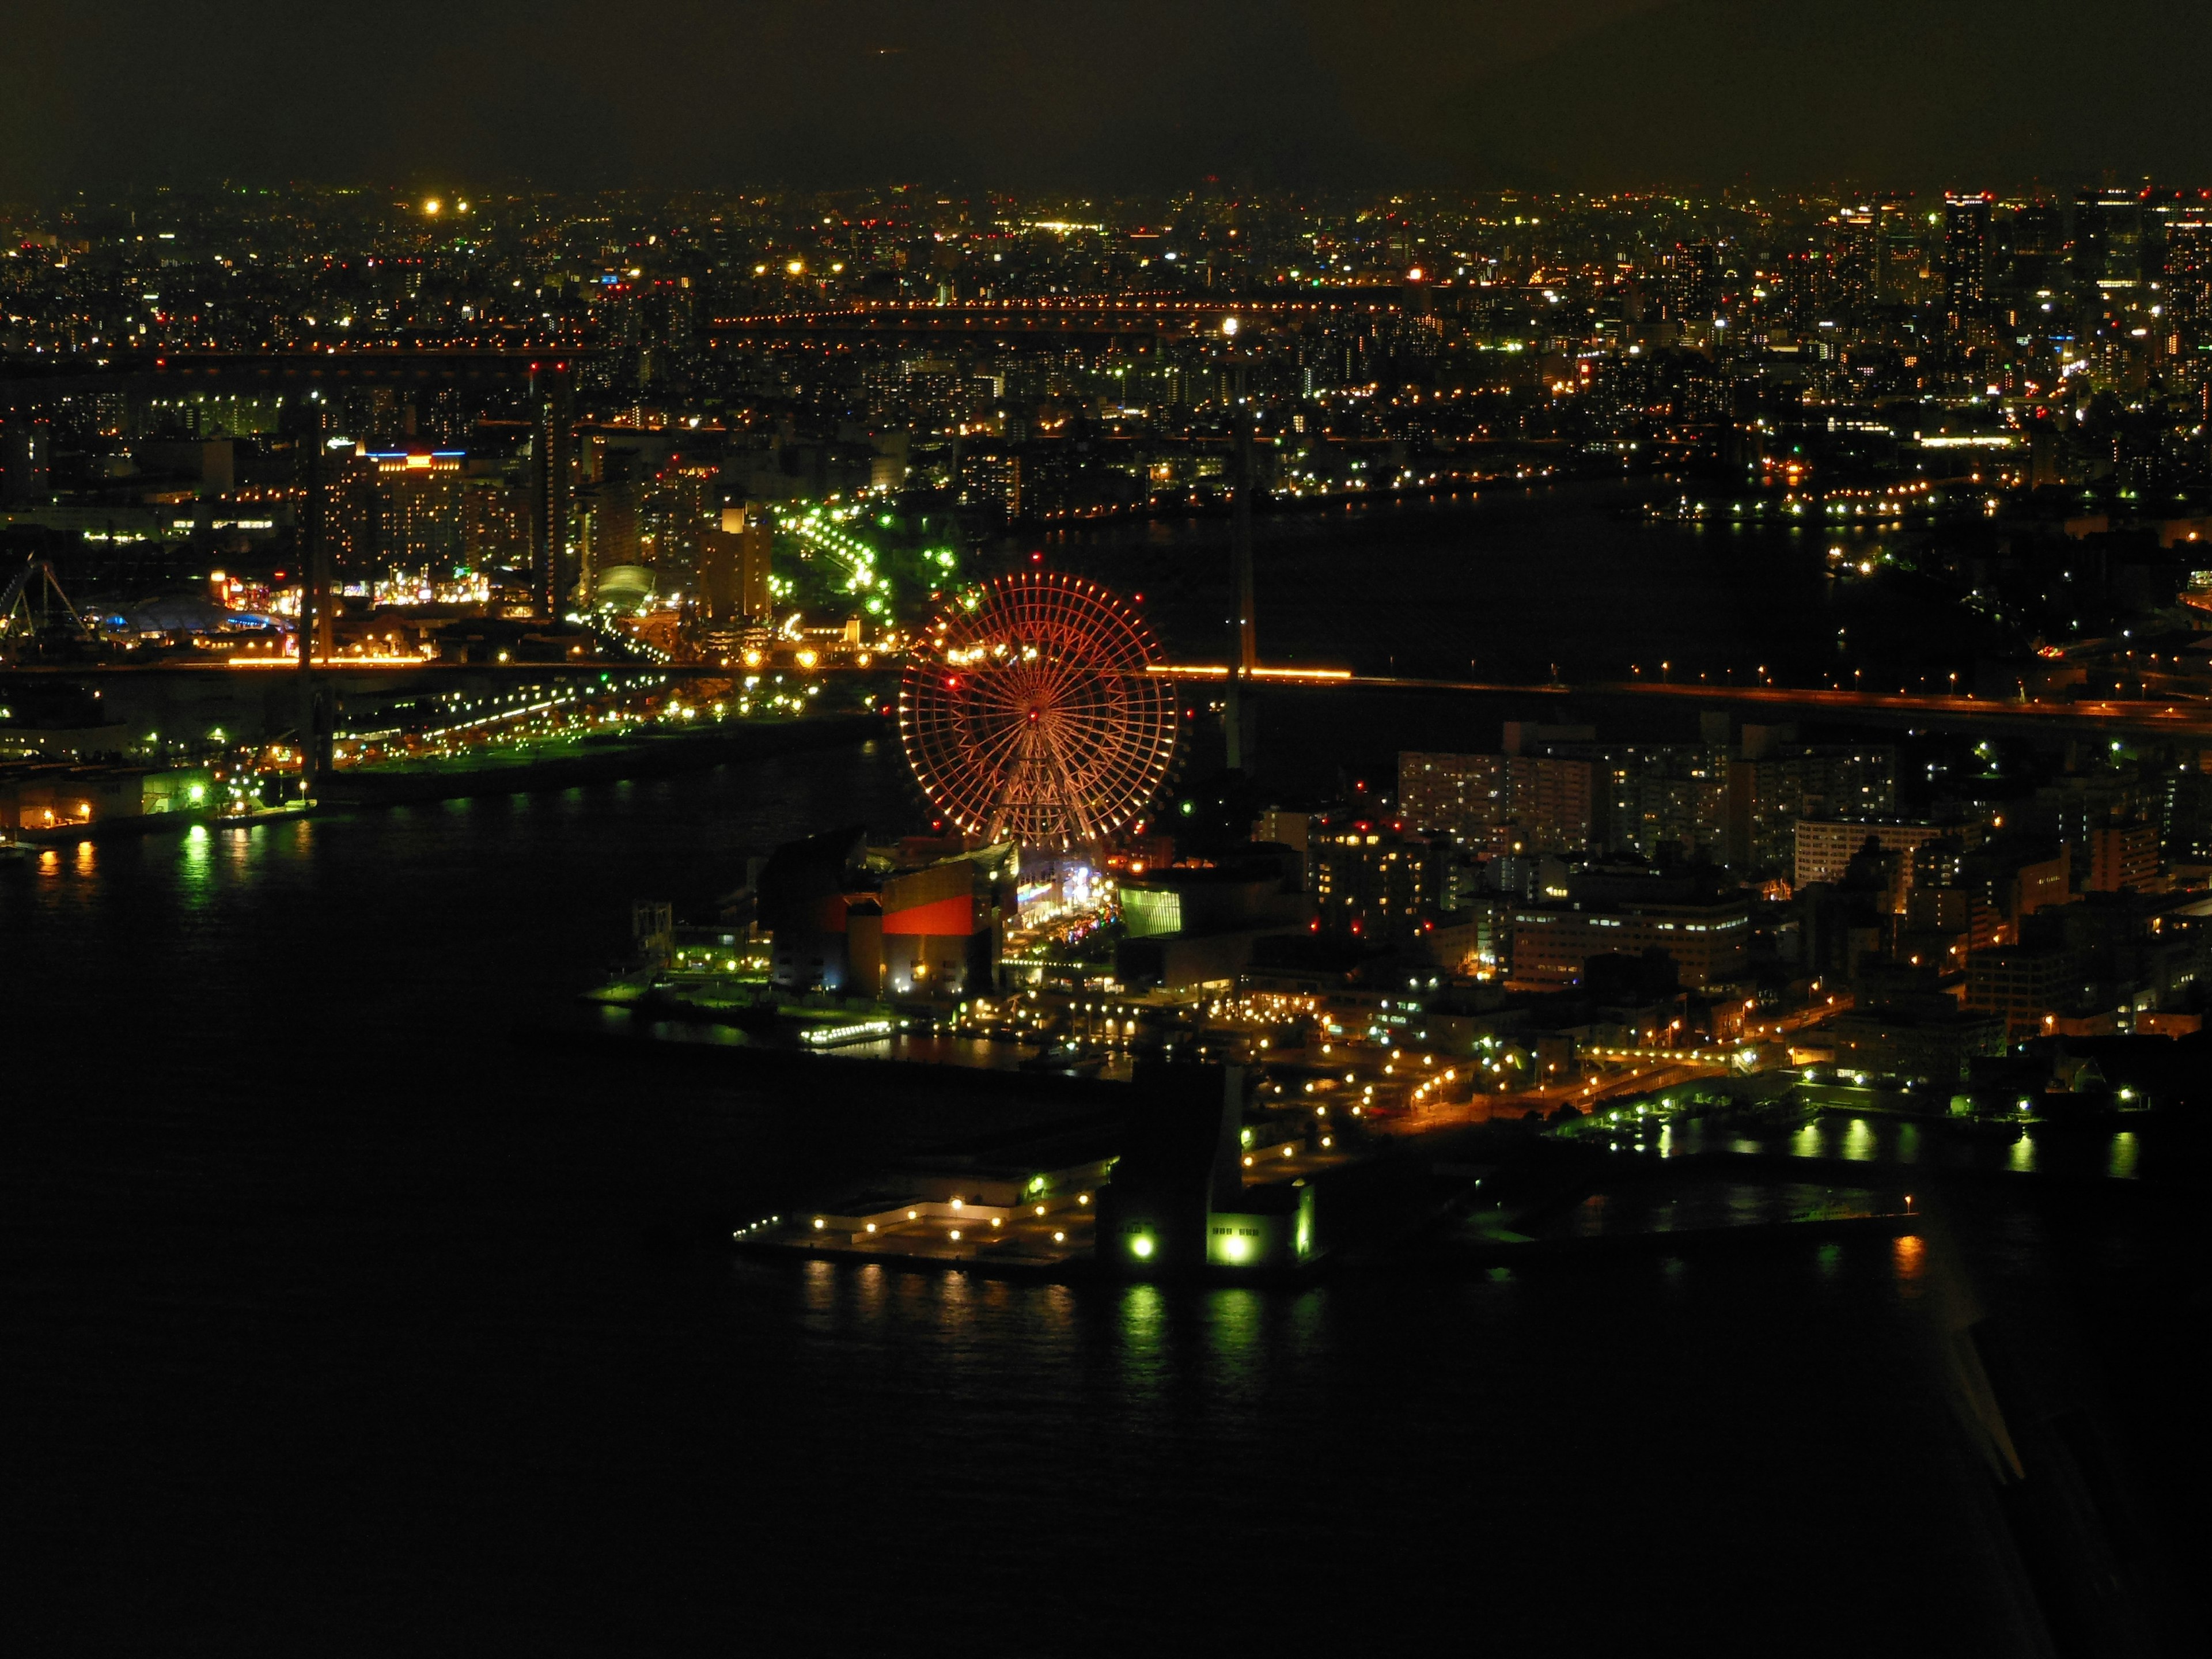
<point x="1112" y="96"/>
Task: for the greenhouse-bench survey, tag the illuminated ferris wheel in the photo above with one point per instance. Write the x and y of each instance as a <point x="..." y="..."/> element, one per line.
<point x="1029" y="712"/>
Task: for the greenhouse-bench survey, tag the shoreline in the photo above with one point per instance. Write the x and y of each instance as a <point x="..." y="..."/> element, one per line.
<point x="689" y="751"/>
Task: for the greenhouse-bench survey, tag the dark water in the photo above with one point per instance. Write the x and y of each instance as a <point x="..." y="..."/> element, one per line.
<point x="1515" y="585"/>
<point x="336" y="1321"/>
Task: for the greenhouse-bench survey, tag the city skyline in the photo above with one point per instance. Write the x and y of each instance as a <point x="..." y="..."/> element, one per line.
<point x="1372" y="824"/>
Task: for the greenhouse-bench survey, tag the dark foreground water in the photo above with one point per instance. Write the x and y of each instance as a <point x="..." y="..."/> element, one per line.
<point x="336" y="1321"/>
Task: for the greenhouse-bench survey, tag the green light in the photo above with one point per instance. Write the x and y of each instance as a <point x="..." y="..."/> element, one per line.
<point x="1236" y="1249"/>
<point x="1140" y="1247"/>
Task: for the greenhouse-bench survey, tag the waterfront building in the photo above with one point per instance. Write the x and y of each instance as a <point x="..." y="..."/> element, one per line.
<point x="906" y="920"/>
<point x="1923" y="1044"/>
<point x="42" y="796"/>
<point x="2026" y="985"/>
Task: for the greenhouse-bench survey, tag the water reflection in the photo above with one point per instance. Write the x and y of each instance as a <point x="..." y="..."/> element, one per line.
<point x="2022" y="1156"/>
<point x="2121" y="1164"/>
<point x="1235" y="1348"/>
<point x="1808" y="1142"/>
<point x="1859" y="1140"/>
<point x="1910" y="1256"/>
<point x="87" y="857"/>
<point x="196" y="863"/>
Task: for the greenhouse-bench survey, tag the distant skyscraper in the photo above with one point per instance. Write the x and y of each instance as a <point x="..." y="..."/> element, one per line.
<point x="1696" y="267"/>
<point x="1899" y="236"/>
<point x="2189" y="264"/>
<point x="1858" y="257"/>
<point x="2038" y="245"/>
<point x="2108" y="238"/>
<point x="1965" y="261"/>
<point x="553" y="448"/>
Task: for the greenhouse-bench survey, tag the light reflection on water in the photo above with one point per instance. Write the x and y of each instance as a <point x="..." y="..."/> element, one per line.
<point x="2121" y="1165"/>
<point x="195" y="861"/>
<point x="2022" y="1155"/>
<point x="1859" y="1140"/>
<point x="1910" y="1256"/>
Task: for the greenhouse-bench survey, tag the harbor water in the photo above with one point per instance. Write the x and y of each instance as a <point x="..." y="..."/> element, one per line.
<point x="342" y="1316"/>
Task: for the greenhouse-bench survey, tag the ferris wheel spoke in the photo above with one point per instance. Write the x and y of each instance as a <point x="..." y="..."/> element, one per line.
<point x="1053" y="732"/>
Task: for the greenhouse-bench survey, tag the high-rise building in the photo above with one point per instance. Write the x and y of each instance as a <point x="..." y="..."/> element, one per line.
<point x="1858" y="258"/>
<point x="1774" y="786"/>
<point x="26" y="445"/>
<point x="1826" y="847"/>
<point x="553" y="452"/>
<point x="1696" y="270"/>
<point x="495" y="518"/>
<point x="1467" y="796"/>
<point x="1653" y="796"/>
<point x="417" y="519"/>
<point x="1965" y="261"/>
<point x="2036" y="241"/>
<point x="733" y="568"/>
<point x="2108" y="238"/>
<point x="2188" y="265"/>
<point x="1375" y="884"/>
<point x="2124" y="858"/>
<point x="1899" y="235"/>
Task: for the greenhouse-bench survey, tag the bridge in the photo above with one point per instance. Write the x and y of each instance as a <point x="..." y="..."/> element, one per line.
<point x="2171" y="720"/>
<point x="1069" y="318"/>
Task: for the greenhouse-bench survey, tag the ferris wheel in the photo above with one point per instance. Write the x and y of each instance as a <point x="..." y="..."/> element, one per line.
<point x="1030" y="713"/>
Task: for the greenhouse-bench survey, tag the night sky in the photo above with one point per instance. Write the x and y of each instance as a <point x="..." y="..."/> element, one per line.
<point x="1105" y="94"/>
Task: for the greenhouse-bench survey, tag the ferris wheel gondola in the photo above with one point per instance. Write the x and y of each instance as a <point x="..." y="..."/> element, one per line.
<point x="1032" y="713"/>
